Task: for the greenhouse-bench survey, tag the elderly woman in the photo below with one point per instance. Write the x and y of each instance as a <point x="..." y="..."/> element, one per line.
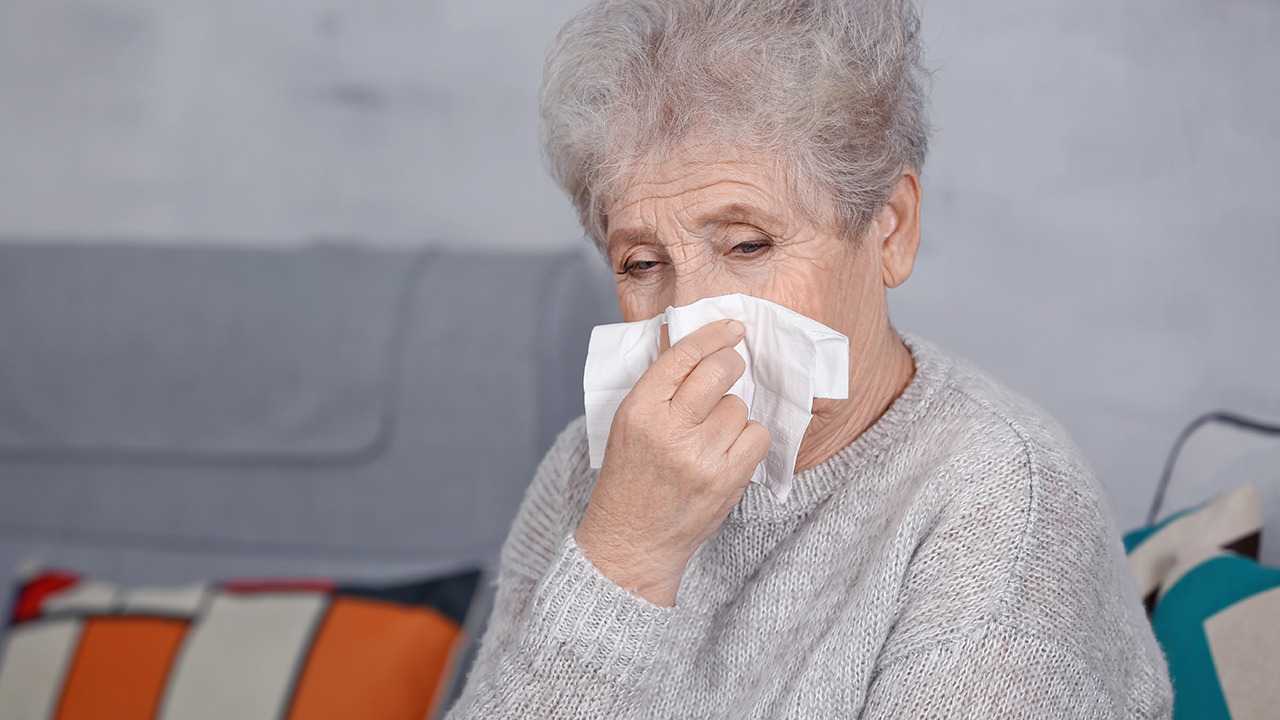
<point x="944" y="552"/>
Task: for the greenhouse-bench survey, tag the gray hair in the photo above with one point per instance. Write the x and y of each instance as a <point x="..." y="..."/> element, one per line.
<point x="833" y="90"/>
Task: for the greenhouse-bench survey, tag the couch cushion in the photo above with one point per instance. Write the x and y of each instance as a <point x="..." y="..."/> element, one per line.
<point x="196" y="352"/>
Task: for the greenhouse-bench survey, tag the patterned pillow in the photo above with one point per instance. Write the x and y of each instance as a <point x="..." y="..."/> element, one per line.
<point x="1214" y="608"/>
<point x="1160" y="553"/>
<point x="295" y="650"/>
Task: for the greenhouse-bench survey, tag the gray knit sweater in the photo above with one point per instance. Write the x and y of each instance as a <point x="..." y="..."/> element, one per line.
<point x="956" y="560"/>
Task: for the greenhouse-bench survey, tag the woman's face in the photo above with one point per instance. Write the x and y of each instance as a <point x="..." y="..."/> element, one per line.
<point x="684" y="230"/>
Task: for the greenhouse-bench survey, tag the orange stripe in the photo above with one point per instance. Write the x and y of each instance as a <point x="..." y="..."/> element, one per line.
<point x="121" y="668"/>
<point x="374" y="659"/>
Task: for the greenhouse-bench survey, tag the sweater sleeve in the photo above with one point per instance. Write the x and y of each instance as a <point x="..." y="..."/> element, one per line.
<point x="563" y="640"/>
<point x="998" y="672"/>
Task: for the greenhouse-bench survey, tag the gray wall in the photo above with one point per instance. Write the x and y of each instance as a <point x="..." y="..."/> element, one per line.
<point x="1100" y="227"/>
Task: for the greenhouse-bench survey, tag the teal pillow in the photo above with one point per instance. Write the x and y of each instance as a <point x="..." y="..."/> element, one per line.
<point x="1215" y="609"/>
<point x="1219" y="626"/>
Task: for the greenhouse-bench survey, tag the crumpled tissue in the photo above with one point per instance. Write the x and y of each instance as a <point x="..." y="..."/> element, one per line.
<point x="790" y="360"/>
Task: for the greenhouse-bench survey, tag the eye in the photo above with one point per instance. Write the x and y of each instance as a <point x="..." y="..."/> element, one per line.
<point x="638" y="267"/>
<point x="753" y="247"/>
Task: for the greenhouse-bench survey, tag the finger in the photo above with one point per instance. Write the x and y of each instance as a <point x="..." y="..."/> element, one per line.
<point x="706" y="385"/>
<point x="725" y="423"/>
<point x="672" y="367"/>
<point x="749" y="448"/>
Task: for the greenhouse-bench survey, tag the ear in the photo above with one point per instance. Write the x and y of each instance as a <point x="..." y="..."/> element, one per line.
<point x="897" y="229"/>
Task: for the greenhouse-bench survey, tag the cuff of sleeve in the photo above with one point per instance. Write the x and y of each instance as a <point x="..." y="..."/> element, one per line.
<point x="580" y="610"/>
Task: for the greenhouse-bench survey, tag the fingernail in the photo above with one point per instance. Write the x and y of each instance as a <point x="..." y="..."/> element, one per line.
<point x="737" y="327"/>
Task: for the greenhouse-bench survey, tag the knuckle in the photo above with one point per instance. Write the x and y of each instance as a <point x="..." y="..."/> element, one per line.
<point x="631" y="406"/>
<point x="686" y="353"/>
<point x="735" y="405"/>
<point x="683" y="415"/>
<point x="760" y="437"/>
<point x="735" y="360"/>
<point x="737" y="366"/>
<point x="728" y="365"/>
<point x="718" y="372"/>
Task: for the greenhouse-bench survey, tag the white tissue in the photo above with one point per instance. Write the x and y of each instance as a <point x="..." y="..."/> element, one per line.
<point x="791" y="359"/>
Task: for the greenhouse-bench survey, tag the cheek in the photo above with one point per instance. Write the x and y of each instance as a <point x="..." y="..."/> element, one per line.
<point x="840" y="290"/>
<point x="637" y="305"/>
<point x="807" y="288"/>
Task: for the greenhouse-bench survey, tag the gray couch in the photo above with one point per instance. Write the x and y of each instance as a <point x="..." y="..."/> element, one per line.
<point x="169" y="414"/>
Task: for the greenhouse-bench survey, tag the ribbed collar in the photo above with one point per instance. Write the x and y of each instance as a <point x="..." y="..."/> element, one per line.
<point x="816" y="484"/>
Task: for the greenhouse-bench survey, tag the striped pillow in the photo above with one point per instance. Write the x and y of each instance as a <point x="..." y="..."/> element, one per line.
<point x="286" y="650"/>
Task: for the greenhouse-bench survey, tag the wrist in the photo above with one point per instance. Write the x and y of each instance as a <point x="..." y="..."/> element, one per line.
<point x="633" y="570"/>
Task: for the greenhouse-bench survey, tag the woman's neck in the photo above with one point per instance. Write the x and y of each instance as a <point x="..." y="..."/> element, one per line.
<point x="878" y="374"/>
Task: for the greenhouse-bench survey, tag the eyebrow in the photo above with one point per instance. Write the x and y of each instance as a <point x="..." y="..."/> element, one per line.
<point x="740" y="214"/>
<point x="627" y="237"/>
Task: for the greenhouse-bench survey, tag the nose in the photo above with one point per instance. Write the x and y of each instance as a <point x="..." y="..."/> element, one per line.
<point x="693" y="284"/>
<point x="686" y="293"/>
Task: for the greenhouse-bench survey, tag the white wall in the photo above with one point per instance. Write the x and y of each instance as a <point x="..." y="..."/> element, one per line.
<point x="1103" y="214"/>
<point x="1101" y="228"/>
<point x="273" y="121"/>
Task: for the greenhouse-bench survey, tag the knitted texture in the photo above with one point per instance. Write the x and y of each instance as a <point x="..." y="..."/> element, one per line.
<point x="956" y="560"/>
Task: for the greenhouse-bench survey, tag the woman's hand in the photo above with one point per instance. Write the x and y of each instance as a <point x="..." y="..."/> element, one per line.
<point x="679" y="455"/>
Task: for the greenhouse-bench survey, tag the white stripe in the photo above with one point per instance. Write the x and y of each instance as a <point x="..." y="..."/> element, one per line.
<point x="240" y="659"/>
<point x="182" y="601"/>
<point x="83" y="597"/>
<point x="35" y="668"/>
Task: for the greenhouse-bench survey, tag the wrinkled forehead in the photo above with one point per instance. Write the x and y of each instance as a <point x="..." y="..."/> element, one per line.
<point x="766" y="176"/>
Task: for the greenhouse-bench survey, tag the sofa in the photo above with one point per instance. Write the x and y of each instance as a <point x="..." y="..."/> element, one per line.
<point x="172" y="414"/>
